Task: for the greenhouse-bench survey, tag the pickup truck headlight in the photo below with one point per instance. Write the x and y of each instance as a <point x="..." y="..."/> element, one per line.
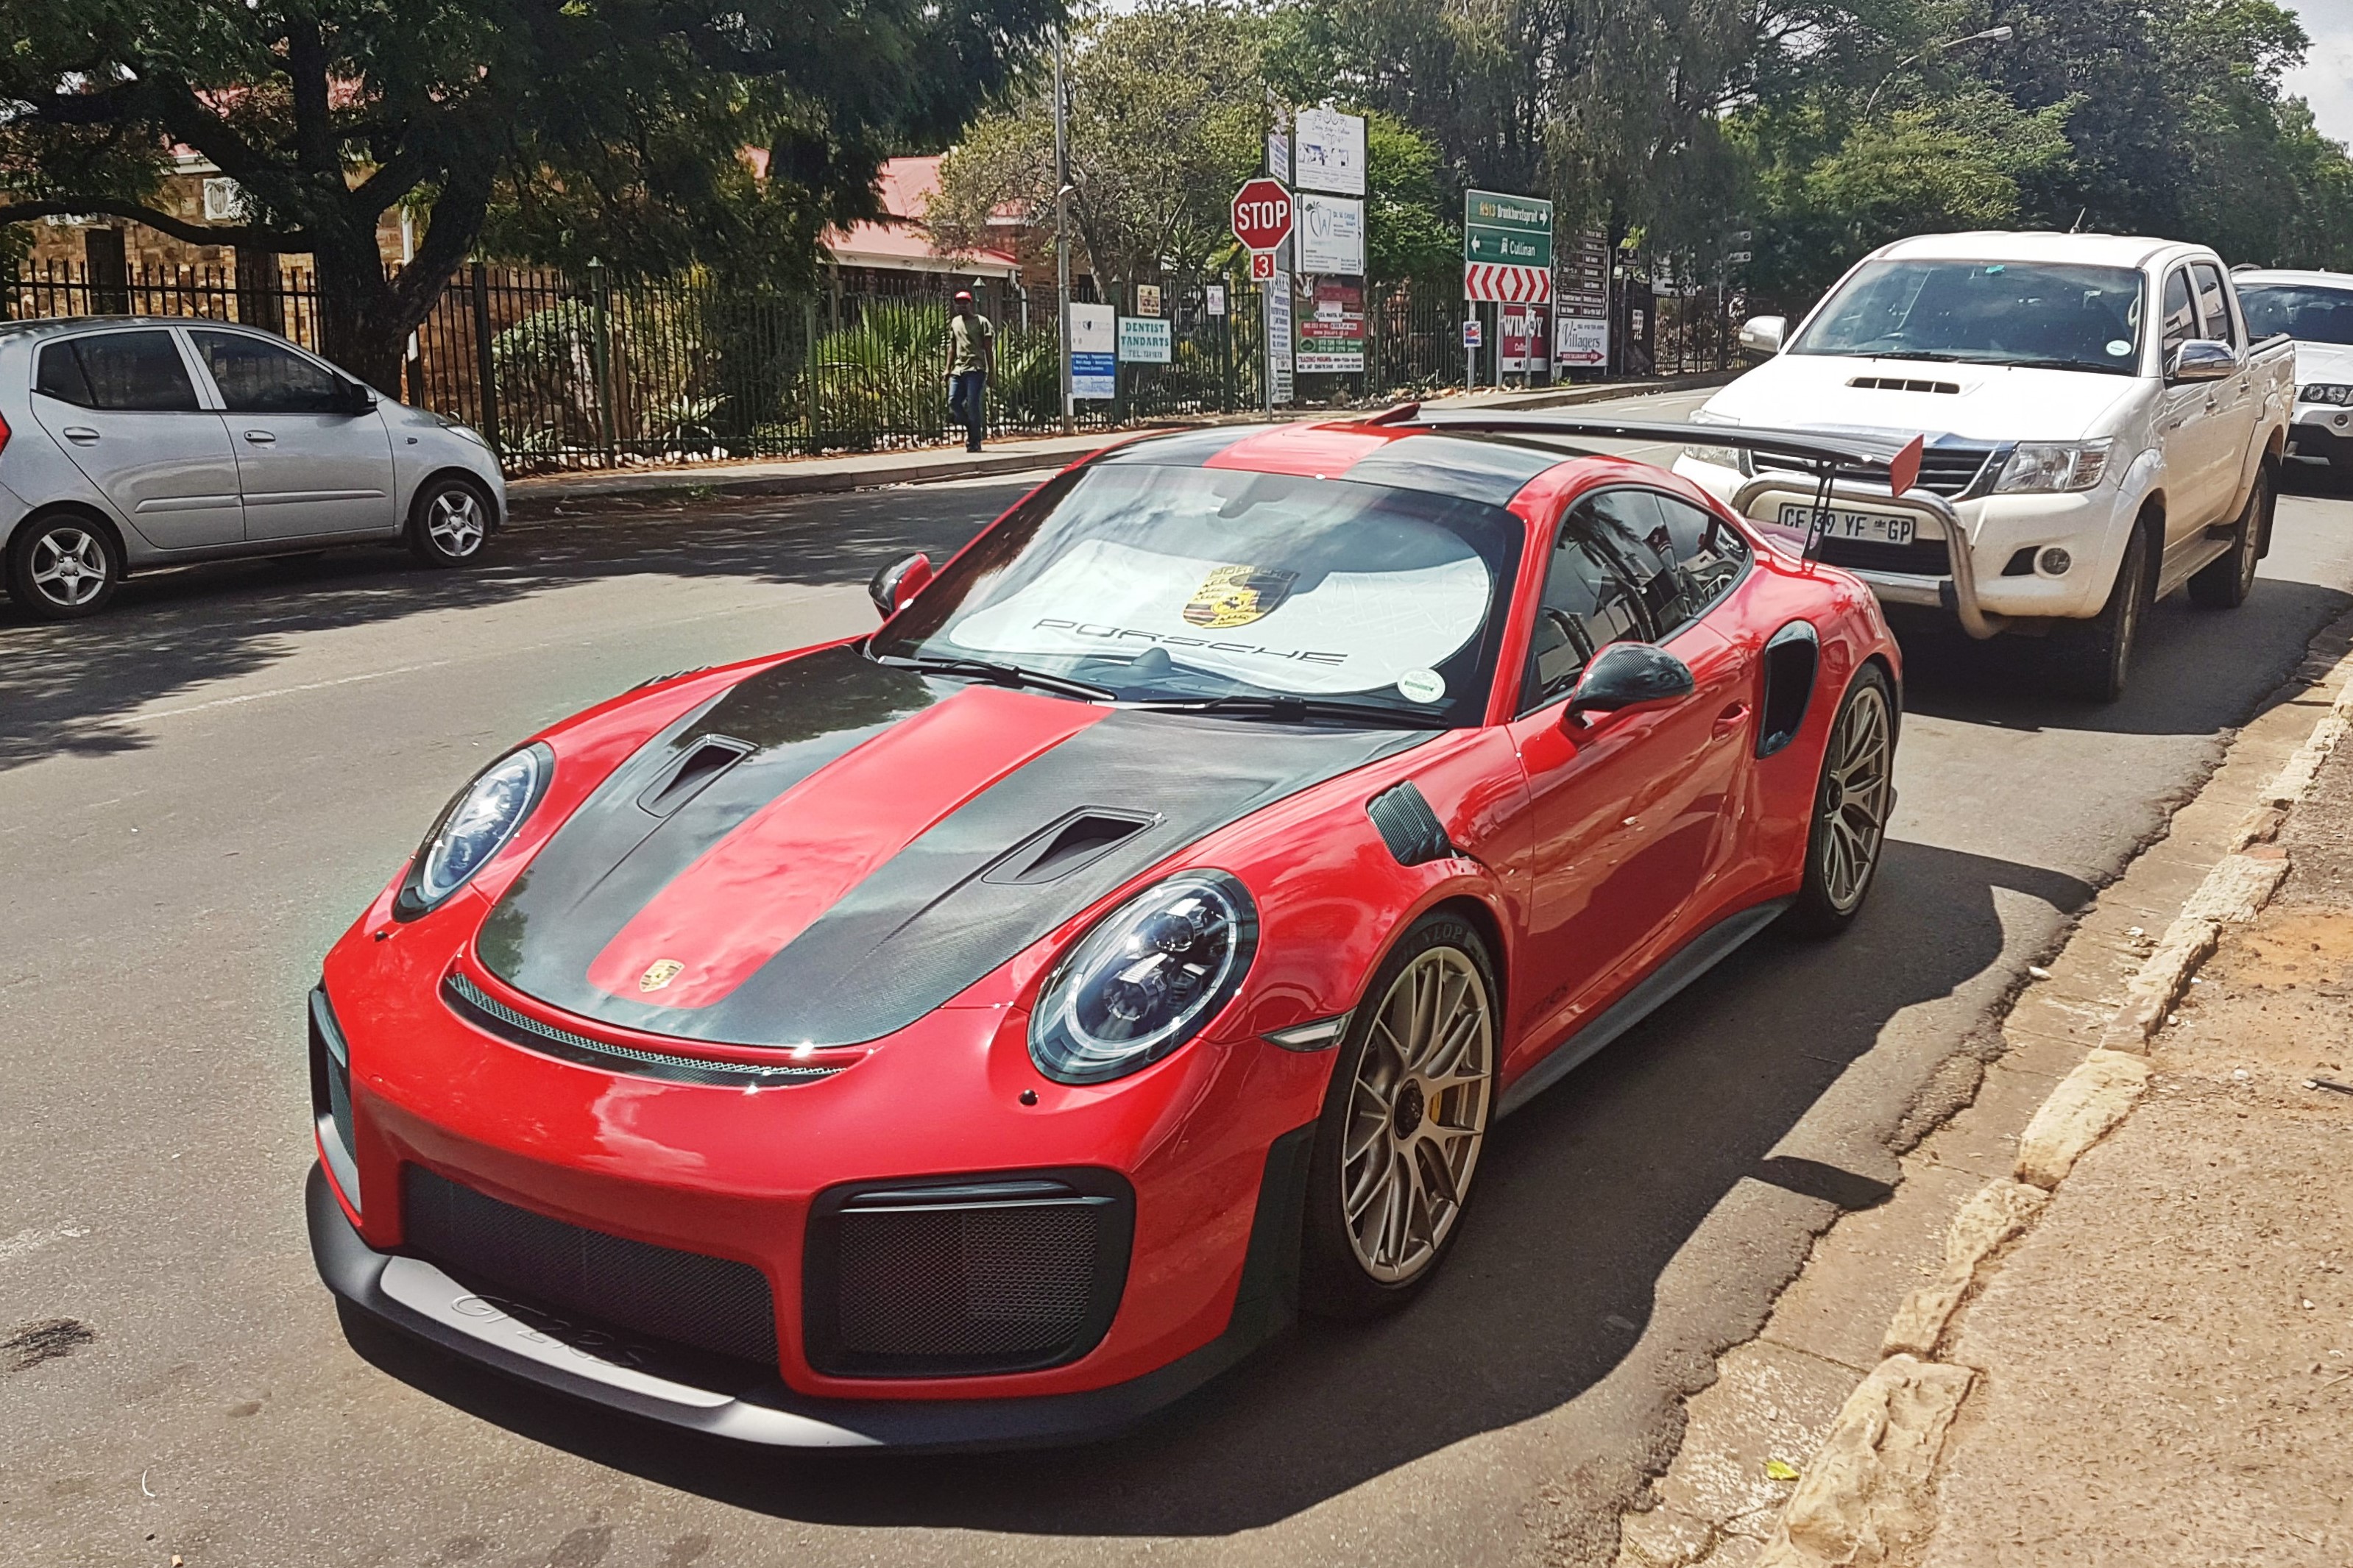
<point x="1722" y="456"/>
<point x="2046" y="466"/>
<point x="2326" y="392"/>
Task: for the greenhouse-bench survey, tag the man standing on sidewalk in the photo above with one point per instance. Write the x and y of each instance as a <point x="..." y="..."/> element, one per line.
<point x="972" y="354"/>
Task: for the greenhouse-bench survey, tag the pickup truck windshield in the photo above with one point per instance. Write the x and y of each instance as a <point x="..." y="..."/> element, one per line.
<point x="2047" y="315"/>
<point x="2304" y="312"/>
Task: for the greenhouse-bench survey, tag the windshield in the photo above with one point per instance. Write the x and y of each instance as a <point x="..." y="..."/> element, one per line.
<point x="1182" y="584"/>
<point x="1976" y="312"/>
<point x="2304" y="312"/>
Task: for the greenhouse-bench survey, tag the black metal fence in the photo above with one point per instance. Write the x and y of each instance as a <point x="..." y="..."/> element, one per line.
<point x="590" y="369"/>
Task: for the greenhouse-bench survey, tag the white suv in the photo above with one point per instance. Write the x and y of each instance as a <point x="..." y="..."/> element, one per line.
<point x="131" y="443"/>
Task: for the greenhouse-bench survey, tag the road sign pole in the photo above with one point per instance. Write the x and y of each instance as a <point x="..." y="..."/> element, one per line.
<point x="1062" y="236"/>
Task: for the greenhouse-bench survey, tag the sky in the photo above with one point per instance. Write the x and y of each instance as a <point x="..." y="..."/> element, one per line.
<point x="2326" y="82"/>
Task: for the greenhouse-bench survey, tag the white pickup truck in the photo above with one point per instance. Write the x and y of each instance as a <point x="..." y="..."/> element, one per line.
<point x="2099" y="429"/>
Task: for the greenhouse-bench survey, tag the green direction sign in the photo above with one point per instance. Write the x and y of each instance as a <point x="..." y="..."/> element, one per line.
<point x="1506" y="230"/>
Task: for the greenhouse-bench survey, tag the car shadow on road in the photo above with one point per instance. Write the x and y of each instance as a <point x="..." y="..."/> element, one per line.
<point x="2194" y="672"/>
<point x="69" y="688"/>
<point x="1585" y="1198"/>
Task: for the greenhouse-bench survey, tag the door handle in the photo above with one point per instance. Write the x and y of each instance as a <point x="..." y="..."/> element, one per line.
<point x="1731" y="720"/>
<point x="261" y="438"/>
<point x="80" y="434"/>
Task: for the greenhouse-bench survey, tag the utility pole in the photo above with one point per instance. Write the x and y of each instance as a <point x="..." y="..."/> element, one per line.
<point x="1062" y="232"/>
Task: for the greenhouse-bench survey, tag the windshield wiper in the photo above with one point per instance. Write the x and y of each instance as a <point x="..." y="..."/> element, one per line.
<point x="1002" y="674"/>
<point x="1296" y="710"/>
<point x="1913" y="354"/>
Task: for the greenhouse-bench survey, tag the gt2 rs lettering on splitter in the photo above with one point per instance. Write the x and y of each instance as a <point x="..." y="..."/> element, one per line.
<point x="984" y="1031"/>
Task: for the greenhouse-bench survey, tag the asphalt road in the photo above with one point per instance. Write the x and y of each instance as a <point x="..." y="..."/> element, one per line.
<point x="199" y="789"/>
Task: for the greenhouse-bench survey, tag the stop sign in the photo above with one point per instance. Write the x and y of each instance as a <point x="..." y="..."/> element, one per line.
<point x="1261" y="213"/>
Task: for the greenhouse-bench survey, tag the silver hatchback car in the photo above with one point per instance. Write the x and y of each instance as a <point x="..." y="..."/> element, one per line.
<point x="130" y="443"/>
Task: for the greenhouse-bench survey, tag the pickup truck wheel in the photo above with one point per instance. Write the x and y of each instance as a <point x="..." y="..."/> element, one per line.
<point x="2095" y="655"/>
<point x="2225" y="582"/>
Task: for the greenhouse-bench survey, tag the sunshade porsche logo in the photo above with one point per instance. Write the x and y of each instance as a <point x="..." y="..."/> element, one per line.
<point x="1236" y="596"/>
<point x="659" y="973"/>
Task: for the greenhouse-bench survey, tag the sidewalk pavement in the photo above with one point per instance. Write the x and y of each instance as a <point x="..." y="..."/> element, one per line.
<point x="553" y="495"/>
<point x="2164" y="1362"/>
<point x="2077" y="1333"/>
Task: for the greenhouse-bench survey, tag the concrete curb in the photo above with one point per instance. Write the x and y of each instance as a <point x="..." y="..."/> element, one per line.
<point x="1868" y="1493"/>
<point x="546" y="502"/>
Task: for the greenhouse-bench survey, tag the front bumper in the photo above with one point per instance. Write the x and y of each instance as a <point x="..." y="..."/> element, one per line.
<point x="2322" y="435"/>
<point x="612" y="1368"/>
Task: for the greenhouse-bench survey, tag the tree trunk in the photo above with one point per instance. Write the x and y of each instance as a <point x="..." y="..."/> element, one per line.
<point x="359" y="327"/>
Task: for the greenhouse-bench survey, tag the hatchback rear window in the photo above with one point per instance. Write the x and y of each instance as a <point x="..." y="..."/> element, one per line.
<point x="119" y="371"/>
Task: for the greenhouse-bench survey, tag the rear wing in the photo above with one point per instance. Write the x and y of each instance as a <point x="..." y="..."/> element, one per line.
<point x="1827" y="455"/>
<point x="1840" y="464"/>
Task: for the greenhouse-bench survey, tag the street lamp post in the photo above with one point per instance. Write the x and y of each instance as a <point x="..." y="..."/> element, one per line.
<point x="2000" y="34"/>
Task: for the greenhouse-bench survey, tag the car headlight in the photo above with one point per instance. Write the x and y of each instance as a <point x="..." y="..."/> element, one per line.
<point x="2046" y="466"/>
<point x="1145" y="980"/>
<point x="1722" y="456"/>
<point x="473" y="827"/>
<point x="2328" y="392"/>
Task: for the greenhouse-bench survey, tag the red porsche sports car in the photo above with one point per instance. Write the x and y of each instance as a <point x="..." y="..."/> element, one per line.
<point x="987" y="1029"/>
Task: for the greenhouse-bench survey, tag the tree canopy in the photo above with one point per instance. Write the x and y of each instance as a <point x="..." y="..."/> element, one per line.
<point x="611" y="127"/>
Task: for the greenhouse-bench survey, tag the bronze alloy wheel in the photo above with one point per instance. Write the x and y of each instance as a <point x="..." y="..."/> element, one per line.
<point x="1852" y="803"/>
<point x="1418" y="1113"/>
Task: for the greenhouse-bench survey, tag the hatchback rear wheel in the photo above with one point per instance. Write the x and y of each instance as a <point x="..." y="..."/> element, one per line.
<point x="1405" y="1119"/>
<point x="63" y="567"/>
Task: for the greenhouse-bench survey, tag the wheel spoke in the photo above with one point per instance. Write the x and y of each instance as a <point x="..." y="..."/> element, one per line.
<point x="1417" y="1113"/>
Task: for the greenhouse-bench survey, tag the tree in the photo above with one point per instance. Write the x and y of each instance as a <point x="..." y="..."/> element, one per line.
<point x="1167" y="116"/>
<point x="615" y="121"/>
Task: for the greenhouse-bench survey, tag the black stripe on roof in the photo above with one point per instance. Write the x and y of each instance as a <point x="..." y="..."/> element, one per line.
<point x="1182" y="448"/>
<point x="1489" y="471"/>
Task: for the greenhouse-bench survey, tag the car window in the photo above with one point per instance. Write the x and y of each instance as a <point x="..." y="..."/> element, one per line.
<point x="2309" y="314"/>
<point x="1165" y="583"/>
<point x="1676" y="557"/>
<point x="1588" y="603"/>
<point x="2032" y="314"/>
<point x="256" y="376"/>
<point x="2181" y="314"/>
<point x="118" y="371"/>
<point x="2213" y="303"/>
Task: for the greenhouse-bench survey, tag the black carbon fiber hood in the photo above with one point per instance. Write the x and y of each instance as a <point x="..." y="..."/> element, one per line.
<point x="927" y="919"/>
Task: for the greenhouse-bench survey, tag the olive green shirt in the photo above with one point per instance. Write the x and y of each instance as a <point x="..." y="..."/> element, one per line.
<point x="969" y="339"/>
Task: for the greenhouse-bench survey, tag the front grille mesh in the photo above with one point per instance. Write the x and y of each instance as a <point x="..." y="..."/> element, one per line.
<point x="980" y="1282"/>
<point x="470" y="1002"/>
<point x="962" y="1277"/>
<point x="713" y="1303"/>
<point x="1950" y="471"/>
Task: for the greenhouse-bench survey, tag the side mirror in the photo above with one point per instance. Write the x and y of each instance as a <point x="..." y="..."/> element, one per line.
<point x="1627" y="675"/>
<point x="1764" y="333"/>
<point x="898" y="582"/>
<point x="2201" y="359"/>
<point x="357" y="399"/>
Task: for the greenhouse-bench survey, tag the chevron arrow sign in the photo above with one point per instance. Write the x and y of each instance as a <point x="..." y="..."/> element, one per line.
<point x="1506" y="285"/>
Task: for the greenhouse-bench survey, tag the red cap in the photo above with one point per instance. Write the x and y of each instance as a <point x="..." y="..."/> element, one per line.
<point x="964" y="295"/>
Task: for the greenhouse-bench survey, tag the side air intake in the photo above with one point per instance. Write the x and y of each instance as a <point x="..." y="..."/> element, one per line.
<point x="1409" y="826"/>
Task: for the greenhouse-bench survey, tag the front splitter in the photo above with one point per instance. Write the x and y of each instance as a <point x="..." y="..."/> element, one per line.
<point x="420" y="1301"/>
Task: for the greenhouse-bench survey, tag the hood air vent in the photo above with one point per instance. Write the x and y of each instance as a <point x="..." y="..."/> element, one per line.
<point x="1079" y="839"/>
<point x="708" y="757"/>
<point x="1898" y="384"/>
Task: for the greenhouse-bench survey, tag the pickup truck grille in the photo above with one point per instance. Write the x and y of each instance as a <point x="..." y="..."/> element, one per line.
<point x="1953" y="469"/>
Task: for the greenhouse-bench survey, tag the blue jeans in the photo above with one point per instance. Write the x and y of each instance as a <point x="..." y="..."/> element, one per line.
<point x="967" y="389"/>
